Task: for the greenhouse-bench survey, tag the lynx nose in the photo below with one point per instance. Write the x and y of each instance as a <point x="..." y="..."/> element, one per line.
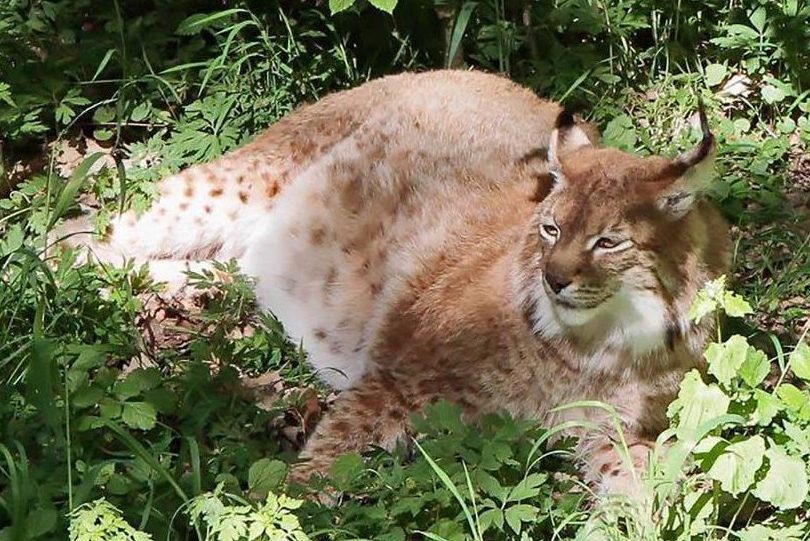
<point x="556" y="283"/>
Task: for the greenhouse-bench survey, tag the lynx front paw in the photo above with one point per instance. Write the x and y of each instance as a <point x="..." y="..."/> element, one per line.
<point x="621" y="472"/>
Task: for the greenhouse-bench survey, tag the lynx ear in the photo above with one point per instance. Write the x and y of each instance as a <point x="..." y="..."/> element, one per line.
<point x="693" y="172"/>
<point x="566" y="137"/>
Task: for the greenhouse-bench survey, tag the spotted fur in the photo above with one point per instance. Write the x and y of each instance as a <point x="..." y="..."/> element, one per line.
<point x="434" y="236"/>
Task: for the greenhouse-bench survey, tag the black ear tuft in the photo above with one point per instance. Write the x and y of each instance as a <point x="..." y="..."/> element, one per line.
<point x="565" y="119"/>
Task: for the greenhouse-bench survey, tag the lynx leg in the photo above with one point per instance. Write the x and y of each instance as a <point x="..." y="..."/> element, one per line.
<point x="372" y="413"/>
<point x="612" y="470"/>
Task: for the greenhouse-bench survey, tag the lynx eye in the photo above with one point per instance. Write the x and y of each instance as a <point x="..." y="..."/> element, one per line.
<point x="608" y="244"/>
<point x="605" y="243"/>
<point x="550" y="231"/>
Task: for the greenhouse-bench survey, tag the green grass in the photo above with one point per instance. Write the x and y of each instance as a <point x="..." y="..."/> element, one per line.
<point x="123" y="415"/>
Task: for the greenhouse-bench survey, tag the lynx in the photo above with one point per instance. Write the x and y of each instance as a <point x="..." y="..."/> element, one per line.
<point x="449" y="235"/>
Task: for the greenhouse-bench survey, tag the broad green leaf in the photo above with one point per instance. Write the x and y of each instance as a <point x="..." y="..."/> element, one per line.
<point x="727" y="358"/>
<point x="490" y="485"/>
<point x="785" y="484"/>
<point x="786" y="125"/>
<point x="758" y="532"/>
<point x="86" y="397"/>
<point x="738" y="465"/>
<point x="41" y="380"/>
<point x="621" y="132"/>
<point x="767" y="406"/>
<point x="715" y="73"/>
<point x="138" y="381"/>
<point x="141" y="415"/>
<point x="13" y="240"/>
<point x="385" y="5"/>
<point x="742" y="125"/>
<point x="345" y="469"/>
<point x="527" y="487"/>
<point x="755" y="367"/>
<point x="266" y="475"/>
<point x="103" y="134"/>
<point x="517" y="514"/>
<point x="759" y="18"/>
<point x="162" y="398"/>
<point x="40" y="522"/>
<point x="697" y="403"/>
<point x="800" y="361"/>
<point x="491" y="517"/>
<point x="772" y="94"/>
<point x="109" y="409"/>
<point x="735" y="306"/>
<point x="799" y="438"/>
<point x="795" y="399"/>
<point x="140" y="112"/>
<point x="336" y="6"/>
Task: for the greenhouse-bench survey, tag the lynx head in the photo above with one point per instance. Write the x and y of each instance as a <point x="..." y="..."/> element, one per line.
<point x="617" y="240"/>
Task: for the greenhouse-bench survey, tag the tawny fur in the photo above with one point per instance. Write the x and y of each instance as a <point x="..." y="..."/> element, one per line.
<point x="401" y="230"/>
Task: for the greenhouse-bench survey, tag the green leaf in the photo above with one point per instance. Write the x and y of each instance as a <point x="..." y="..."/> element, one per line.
<point x="800" y="361"/>
<point x="795" y="399"/>
<point x="736" y="468"/>
<point x="266" y="475"/>
<point x="767" y="406"/>
<point x="758" y="532"/>
<point x="103" y="134"/>
<point x="727" y="358"/>
<point x="528" y="487"/>
<point x="345" y="469"/>
<point x="759" y="18"/>
<point x="755" y="367"/>
<point x="162" y="398"/>
<point x="785" y="484"/>
<point x="621" y="132"/>
<point x="735" y="305"/>
<point x="491" y="517"/>
<point x="86" y="397"/>
<point x="138" y="381"/>
<point x="517" y="514"/>
<point x="13" y="240"/>
<point x="715" y="73"/>
<point x="799" y="438"/>
<point x="697" y="403"/>
<point x="490" y="485"/>
<point x="786" y="125"/>
<point x="772" y="94"/>
<point x="140" y="112"/>
<point x="40" y="381"/>
<point x="40" y="522"/>
<point x="336" y="6"/>
<point x="109" y="409"/>
<point x="384" y="5"/>
<point x="141" y="415"/>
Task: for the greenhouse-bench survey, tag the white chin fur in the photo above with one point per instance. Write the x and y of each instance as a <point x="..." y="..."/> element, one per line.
<point x="632" y="319"/>
<point x="574" y="317"/>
